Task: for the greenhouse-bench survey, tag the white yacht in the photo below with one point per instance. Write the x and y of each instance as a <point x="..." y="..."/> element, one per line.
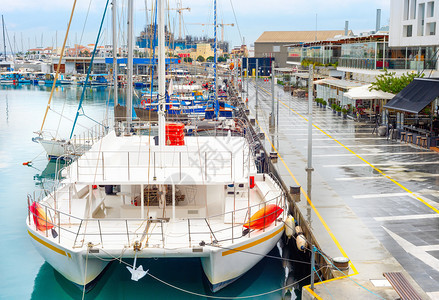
<point x="138" y="196"/>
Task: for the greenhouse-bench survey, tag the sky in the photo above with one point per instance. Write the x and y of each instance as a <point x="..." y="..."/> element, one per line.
<point x="31" y="23"/>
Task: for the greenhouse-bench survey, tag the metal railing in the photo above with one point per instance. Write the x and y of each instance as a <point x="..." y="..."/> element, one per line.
<point x="102" y="231"/>
<point x="209" y="163"/>
<point x="388" y="63"/>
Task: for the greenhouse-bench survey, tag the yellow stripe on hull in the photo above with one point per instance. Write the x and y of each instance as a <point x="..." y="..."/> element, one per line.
<point x="249" y="245"/>
<point x="51" y="247"/>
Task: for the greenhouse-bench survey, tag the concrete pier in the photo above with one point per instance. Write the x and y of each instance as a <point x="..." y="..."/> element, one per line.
<point x="370" y="199"/>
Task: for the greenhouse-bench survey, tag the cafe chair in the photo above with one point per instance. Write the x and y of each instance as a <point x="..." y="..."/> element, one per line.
<point x="418" y="140"/>
<point x="424" y="142"/>
<point x="409" y="138"/>
<point x="402" y="136"/>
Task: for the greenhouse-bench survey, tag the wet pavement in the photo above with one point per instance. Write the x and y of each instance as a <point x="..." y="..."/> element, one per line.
<point x="373" y="200"/>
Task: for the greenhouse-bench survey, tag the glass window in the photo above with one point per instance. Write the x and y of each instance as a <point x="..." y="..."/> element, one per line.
<point x="406" y="9"/>
<point x="430" y="9"/>
<point x="431" y="28"/>
<point x="408" y="30"/>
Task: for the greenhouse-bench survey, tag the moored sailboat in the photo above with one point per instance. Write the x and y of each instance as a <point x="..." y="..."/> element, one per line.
<point x="164" y="195"/>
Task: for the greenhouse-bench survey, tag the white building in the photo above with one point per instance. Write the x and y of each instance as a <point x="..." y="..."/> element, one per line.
<point x="413" y="23"/>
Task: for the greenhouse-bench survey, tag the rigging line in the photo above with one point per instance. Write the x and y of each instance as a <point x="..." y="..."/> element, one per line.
<point x="217" y="297"/>
<point x="330" y="261"/>
<point x="321" y="280"/>
<point x="68" y="119"/>
<point x="146" y="13"/>
<point x="89" y="68"/>
<point x="268" y="256"/>
<point x="236" y="20"/>
<point x="83" y="29"/>
<point x="59" y="64"/>
<point x="210" y="296"/>
<point x="10" y="46"/>
<point x="153" y="53"/>
<point x="85" y="274"/>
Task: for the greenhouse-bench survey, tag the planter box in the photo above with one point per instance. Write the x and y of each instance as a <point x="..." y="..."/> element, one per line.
<point x="299" y="93"/>
<point x="339" y="113"/>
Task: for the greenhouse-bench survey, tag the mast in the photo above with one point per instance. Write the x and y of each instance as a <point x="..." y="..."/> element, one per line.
<point x="130" y="63"/>
<point x="215" y="60"/>
<point x="161" y="71"/>
<point x="116" y="97"/>
<point x="4" y="38"/>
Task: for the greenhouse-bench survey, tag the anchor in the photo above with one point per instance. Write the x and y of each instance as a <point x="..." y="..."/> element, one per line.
<point x="137" y="273"/>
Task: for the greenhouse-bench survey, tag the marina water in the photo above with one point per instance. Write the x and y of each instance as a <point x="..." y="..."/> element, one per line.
<point x="24" y="273"/>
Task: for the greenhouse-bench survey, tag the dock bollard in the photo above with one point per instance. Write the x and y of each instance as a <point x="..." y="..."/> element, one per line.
<point x="340" y="266"/>
<point x="273" y="157"/>
<point x="295" y="193"/>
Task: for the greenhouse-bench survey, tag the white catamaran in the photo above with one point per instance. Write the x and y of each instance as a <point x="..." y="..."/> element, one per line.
<point x="134" y="196"/>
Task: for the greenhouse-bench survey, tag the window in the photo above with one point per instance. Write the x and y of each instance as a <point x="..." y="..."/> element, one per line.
<point x="421" y="19"/>
<point x="408" y="30"/>
<point x="431" y="28"/>
<point x="406" y="9"/>
<point x="413" y="5"/>
<point x="430" y="9"/>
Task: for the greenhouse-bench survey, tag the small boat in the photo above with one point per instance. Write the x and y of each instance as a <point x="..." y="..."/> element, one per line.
<point x="96" y="79"/>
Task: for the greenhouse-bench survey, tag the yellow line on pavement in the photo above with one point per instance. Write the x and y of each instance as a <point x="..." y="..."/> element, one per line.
<point x="365" y="161"/>
<point x="310" y="203"/>
<point x="361" y="158"/>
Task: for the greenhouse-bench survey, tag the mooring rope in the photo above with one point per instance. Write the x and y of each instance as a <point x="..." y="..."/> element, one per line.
<point x="210" y="296"/>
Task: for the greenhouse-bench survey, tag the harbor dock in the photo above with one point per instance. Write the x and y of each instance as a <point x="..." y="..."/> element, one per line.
<point x="372" y="200"/>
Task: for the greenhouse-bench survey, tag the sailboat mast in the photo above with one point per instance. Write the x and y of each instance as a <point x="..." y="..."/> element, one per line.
<point x="161" y="71"/>
<point x="116" y="97"/>
<point x="130" y="63"/>
<point x="215" y="60"/>
<point x="4" y="38"/>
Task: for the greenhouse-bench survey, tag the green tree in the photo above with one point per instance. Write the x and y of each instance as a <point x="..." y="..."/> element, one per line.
<point x="211" y="58"/>
<point x="389" y="82"/>
<point x="200" y="58"/>
<point x="187" y="59"/>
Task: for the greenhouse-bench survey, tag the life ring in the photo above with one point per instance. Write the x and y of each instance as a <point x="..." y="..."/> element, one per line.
<point x="143" y="103"/>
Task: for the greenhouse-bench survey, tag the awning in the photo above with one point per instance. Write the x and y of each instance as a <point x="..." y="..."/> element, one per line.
<point x="417" y="95"/>
<point x="363" y="93"/>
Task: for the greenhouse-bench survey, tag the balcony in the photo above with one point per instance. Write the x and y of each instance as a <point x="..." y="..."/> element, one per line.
<point x="379" y="64"/>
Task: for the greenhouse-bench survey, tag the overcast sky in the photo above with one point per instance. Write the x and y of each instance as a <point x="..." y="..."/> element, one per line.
<point x="33" y="21"/>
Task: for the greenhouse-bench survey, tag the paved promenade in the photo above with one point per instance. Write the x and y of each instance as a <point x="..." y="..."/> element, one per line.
<point x="373" y="200"/>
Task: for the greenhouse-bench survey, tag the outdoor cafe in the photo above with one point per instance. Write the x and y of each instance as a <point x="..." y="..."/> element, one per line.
<point x="412" y="115"/>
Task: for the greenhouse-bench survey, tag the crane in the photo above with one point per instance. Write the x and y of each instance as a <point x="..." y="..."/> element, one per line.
<point x="219" y="25"/>
<point x="179" y="10"/>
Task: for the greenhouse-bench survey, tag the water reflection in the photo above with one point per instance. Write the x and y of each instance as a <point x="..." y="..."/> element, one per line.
<point x="186" y="274"/>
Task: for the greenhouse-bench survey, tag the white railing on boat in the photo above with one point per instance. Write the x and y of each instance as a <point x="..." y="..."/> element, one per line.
<point x="207" y="164"/>
<point x="103" y="232"/>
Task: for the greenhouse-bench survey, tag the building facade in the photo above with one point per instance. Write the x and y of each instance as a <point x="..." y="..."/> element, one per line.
<point x="414" y="23"/>
<point x="273" y="43"/>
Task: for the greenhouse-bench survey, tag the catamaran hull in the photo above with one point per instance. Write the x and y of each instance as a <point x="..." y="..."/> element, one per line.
<point x="225" y="266"/>
<point x="74" y="266"/>
<point x="221" y="266"/>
